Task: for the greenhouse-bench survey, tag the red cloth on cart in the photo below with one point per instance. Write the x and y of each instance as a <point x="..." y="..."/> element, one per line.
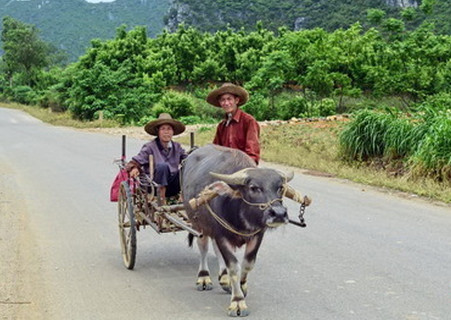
<point x="114" y="191"/>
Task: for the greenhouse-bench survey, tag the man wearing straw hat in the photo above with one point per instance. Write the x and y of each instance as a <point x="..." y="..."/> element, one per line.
<point x="239" y="129"/>
<point x="167" y="155"/>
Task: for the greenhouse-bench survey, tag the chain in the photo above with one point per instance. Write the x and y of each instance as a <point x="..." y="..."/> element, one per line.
<point x="301" y="215"/>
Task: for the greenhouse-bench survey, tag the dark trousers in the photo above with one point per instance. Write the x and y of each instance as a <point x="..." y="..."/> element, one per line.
<point x="163" y="177"/>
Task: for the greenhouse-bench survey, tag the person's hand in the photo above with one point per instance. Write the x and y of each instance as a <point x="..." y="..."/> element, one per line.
<point x="134" y="172"/>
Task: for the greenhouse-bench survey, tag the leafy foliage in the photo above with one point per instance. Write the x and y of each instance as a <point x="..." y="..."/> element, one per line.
<point x="126" y="76"/>
<point x="70" y="25"/>
<point x="24" y="51"/>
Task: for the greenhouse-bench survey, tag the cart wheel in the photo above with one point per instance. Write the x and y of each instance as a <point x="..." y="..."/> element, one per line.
<point x="127" y="225"/>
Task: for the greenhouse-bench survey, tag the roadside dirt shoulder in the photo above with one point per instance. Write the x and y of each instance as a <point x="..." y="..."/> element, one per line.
<point x="21" y="290"/>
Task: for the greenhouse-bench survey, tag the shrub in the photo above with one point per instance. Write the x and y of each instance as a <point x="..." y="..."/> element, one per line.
<point x="159" y="108"/>
<point x="201" y="92"/>
<point x="24" y="95"/>
<point x="178" y="104"/>
<point x="258" y="106"/>
<point x="144" y="120"/>
<point x="51" y="100"/>
<point x="295" y="107"/>
<point x="327" y="107"/>
<point x="206" y="111"/>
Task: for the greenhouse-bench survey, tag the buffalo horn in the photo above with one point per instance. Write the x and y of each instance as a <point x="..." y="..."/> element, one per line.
<point x="237" y="178"/>
<point x="289" y="176"/>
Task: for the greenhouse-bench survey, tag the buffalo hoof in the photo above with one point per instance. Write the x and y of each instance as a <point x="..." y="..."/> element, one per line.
<point x="238" y="309"/>
<point x="204" y="283"/>
<point x="224" y="282"/>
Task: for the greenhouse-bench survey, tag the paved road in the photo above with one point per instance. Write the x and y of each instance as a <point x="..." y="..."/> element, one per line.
<point x="364" y="255"/>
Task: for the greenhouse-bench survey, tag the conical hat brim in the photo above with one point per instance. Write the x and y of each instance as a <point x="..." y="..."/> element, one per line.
<point x="152" y="127"/>
<point x="238" y="91"/>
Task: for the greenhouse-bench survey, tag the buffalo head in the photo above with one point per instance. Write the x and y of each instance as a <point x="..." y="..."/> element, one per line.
<point x="261" y="190"/>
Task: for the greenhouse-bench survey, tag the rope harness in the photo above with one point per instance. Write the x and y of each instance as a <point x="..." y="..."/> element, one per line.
<point x="227" y="226"/>
<point x="264" y="205"/>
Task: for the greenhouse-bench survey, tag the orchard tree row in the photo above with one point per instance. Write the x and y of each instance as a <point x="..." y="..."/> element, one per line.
<point x="288" y="74"/>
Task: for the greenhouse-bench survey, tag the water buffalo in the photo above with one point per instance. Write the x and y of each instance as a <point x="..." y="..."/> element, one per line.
<point x="247" y="202"/>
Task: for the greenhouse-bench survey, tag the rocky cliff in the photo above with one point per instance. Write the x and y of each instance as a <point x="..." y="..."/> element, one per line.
<point x="211" y="15"/>
<point x="402" y="3"/>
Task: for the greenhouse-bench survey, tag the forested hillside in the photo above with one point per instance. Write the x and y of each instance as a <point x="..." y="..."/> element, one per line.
<point x="71" y="24"/>
<point x="212" y="15"/>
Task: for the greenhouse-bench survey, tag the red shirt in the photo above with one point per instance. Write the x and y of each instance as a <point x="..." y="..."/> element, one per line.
<point x="243" y="133"/>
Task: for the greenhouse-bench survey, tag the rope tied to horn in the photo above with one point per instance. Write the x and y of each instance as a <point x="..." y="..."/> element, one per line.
<point x="227" y="226"/>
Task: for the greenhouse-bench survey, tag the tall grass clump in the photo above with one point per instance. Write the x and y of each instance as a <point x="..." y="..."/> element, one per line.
<point x="422" y="142"/>
<point x="402" y="137"/>
<point x="433" y="155"/>
<point x="364" y="136"/>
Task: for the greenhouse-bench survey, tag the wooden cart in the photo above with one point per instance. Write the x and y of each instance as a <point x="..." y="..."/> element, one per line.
<point x="139" y="207"/>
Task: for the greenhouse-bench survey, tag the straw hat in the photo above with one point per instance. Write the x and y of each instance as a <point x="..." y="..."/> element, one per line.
<point x="164" y="118"/>
<point x="238" y="91"/>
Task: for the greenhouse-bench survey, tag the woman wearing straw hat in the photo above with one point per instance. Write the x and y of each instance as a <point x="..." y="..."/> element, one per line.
<point x="167" y="155"/>
<point x="239" y="129"/>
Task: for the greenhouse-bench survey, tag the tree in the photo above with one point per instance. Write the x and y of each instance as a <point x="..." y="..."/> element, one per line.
<point x="24" y="51"/>
<point x="427" y="6"/>
<point x="276" y="70"/>
<point x="375" y="16"/>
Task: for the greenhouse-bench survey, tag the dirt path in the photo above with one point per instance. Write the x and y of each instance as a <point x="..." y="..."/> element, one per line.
<point x="20" y="281"/>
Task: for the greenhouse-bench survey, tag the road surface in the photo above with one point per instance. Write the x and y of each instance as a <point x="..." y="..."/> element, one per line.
<point x="365" y="254"/>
